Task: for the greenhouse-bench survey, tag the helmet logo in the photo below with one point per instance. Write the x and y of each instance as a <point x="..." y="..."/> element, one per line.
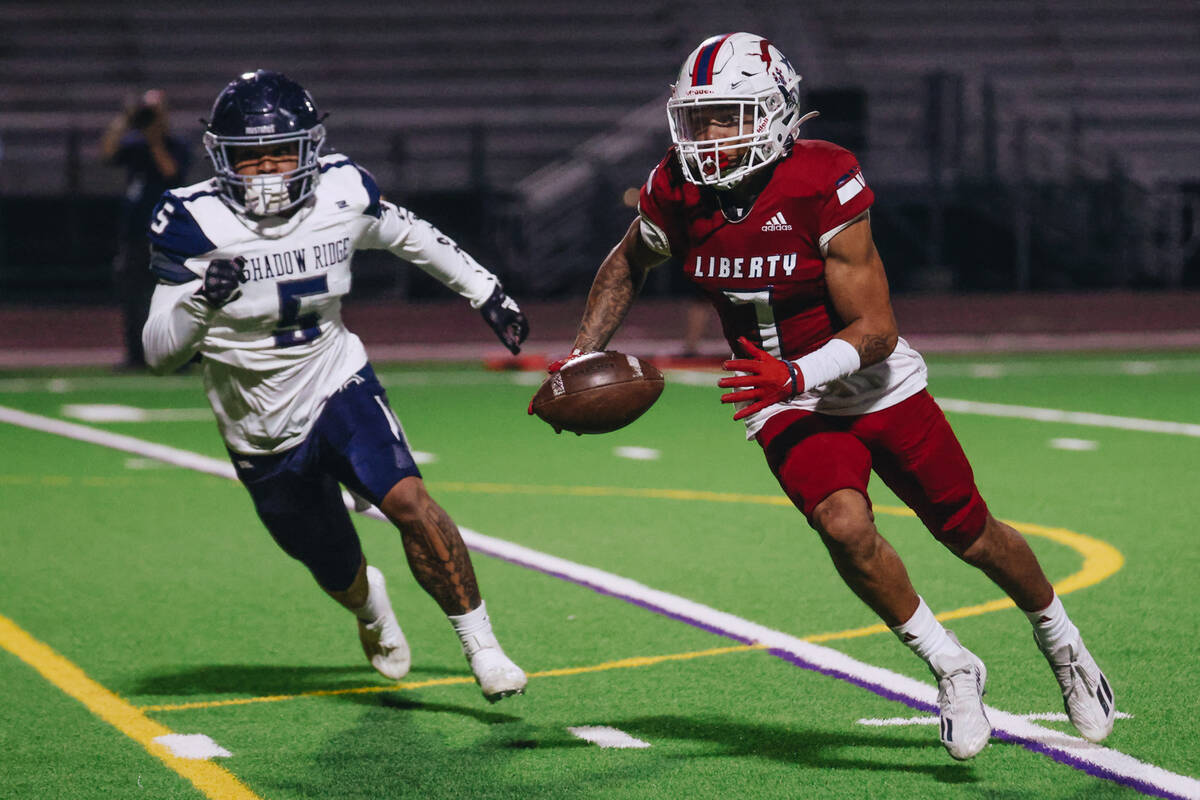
<point x="764" y="53"/>
<point x="256" y="129"/>
<point x="788" y="96"/>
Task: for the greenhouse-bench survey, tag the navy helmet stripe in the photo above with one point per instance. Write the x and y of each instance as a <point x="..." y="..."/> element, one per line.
<point x="703" y="72"/>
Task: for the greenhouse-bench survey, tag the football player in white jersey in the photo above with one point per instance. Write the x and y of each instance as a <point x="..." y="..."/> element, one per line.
<point x="252" y="266"/>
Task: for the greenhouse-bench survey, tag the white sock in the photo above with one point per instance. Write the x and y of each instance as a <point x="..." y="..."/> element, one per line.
<point x="1051" y="626"/>
<point x="376" y="606"/>
<point x="923" y="634"/>
<point x="474" y="630"/>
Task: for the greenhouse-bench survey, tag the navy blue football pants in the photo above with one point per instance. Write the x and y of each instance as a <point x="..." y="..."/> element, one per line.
<point x="357" y="442"/>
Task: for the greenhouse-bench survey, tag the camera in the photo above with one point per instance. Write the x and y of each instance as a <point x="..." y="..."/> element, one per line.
<point x="142" y="117"/>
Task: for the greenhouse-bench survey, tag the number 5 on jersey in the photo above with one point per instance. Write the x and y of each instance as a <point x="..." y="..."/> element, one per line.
<point x="296" y="328"/>
<point x="162" y="218"/>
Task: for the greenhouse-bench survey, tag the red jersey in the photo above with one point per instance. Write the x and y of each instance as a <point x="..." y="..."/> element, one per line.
<point x="765" y="272"/>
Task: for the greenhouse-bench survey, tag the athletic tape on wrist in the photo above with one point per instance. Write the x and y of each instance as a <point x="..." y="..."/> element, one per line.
<point x="835" y="359"/>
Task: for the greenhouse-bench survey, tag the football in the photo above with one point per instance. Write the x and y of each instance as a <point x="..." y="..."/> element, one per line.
<point x="598" y="393"/>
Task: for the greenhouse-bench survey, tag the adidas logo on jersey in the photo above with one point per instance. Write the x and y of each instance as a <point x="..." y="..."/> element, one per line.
<point x="777" y="223"/>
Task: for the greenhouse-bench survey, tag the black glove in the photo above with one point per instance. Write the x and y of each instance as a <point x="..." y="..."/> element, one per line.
<point x="502" y="313"/>
<point x="221" y="281"/>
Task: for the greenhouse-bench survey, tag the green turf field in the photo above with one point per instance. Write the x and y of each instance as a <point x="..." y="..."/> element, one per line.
<point x="690" y="608"/>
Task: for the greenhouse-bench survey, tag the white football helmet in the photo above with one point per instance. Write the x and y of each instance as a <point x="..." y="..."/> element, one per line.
<point x="743" y="79"/>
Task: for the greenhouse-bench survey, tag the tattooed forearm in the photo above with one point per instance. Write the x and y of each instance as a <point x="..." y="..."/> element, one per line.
<point x="613" y="292"/>
<point x="873" y="348"/>
<point x="439" y="560"/>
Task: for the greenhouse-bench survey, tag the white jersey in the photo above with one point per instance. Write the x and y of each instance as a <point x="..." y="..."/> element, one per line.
<point x="275" y="353"/>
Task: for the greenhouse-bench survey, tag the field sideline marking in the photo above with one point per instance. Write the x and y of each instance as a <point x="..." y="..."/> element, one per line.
<point x="1093" y="759"/>
<point x="1073" y="751"/>
<point x="211" y="779"/>
<point x="994" y="365"/>
<point x="1052" y="716"/>
<point x="1068" y="417"/>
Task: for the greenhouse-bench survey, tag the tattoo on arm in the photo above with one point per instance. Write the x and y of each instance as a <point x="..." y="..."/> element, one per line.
<point x="439" y="560"/>
<point x="613" y="292"/>
<point x="873" y="348"/>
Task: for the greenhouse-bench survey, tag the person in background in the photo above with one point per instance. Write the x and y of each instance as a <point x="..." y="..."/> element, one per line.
<point x="697" y="316"/>
<point x="139" y="140"/>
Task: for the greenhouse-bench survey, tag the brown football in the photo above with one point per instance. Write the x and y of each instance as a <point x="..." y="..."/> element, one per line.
<point x="598" y="393"/>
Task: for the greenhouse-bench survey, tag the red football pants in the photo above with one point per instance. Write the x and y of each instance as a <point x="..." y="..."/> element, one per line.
<point x="909" y="445"/>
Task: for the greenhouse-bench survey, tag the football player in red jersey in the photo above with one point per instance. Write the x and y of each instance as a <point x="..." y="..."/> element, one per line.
<point x="775" y="230"/>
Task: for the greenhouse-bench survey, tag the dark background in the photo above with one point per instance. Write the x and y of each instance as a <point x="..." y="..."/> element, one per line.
<point x="1012" y="145"/>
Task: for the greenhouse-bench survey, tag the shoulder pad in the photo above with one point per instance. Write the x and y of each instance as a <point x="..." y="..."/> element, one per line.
<point x="344" y="168"/>
<point x="175" y="235"/>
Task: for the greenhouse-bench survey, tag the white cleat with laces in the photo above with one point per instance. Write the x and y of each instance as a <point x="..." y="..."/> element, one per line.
<point x="498" y="677"/>
<point x="1087" y="697"/>
<point x="963" y="723"/>
<point x="382" y="640"/>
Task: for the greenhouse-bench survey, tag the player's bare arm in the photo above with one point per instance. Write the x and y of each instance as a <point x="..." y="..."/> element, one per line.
<point x="858" y="288"/>
<point x="617" y="284"/>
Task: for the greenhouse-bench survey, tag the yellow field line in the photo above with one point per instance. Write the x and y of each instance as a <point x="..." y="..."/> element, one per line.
<point x="1100" y="559"/>
<point x="211" y="779"/>
<point x="609" y="491"/>
<point x="624" y="663"/>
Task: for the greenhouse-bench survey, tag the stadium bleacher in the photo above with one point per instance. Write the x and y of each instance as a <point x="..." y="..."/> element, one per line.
<point x="431" y="96"/>
<point x="1130" y="71"/>
<point x="534" y="100"/>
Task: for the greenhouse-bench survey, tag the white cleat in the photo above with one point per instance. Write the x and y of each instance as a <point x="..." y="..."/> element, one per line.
<point x="1087" y="697"/>
<point x="963" y="723"/>
<point x="496" y="674"/>
<point x="382" y="640"/>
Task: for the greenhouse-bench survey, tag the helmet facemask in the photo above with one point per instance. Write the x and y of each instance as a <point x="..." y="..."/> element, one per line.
<point x="273" y="193"/>
<point x="725" y="161"/>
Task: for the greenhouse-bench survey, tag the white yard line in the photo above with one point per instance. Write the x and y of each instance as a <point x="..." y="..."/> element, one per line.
<point x="974" y="369"/>
<point x="1078" y="753"/>
<point x="1007" y="368"/>
<point x="1068" y="417"/>
<point x="607" y="737"/>
<point x="930" y="719"/>
<point x="193" y="745"/>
